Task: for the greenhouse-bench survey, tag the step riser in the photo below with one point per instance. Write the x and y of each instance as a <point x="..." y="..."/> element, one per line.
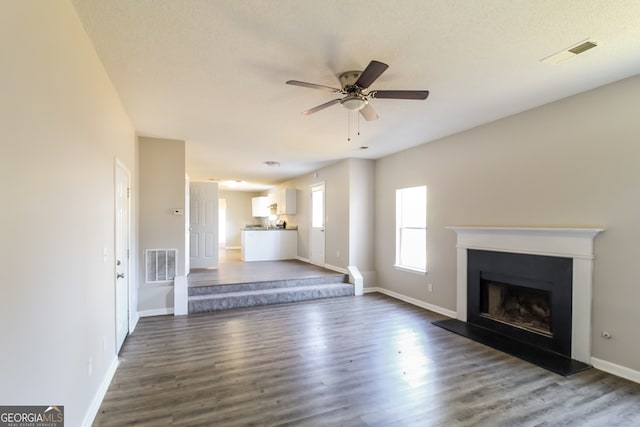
<point x="227" y="303"/>
<point x="254" y="286"/>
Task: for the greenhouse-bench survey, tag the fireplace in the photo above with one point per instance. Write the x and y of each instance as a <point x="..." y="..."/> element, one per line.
<point x="522" y="296"/>
<point x="532" y="284"/>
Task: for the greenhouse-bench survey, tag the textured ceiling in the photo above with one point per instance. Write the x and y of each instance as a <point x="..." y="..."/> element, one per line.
<point x="213" y="72"/>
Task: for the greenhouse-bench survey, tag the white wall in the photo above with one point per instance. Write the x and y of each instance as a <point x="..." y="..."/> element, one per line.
<point x="336" y="180"/>
<point x="572" y="163"/>
<point x="238" y="214"/>
<point x="62" y="127"/>
<point x="162" y="188"/>
<point x="348" y="210"/>
<point x="361" y="217"/>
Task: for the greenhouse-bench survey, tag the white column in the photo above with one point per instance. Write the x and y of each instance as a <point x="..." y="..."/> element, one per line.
<point x="461" y="285"/>
<point x="581" y="310"/>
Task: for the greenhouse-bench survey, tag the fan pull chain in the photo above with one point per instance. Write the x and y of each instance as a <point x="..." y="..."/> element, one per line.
<point x="348" y="126"/>
<point x="358" y="124"/>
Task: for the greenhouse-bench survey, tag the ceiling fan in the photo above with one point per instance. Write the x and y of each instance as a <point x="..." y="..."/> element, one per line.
<point x="355" y="87"/>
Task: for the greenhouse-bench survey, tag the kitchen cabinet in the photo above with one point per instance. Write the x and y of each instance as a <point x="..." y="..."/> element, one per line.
<point x="260" y="206"/>
<point x="269" y="245"/>
<point x="271" y="198"/>
<point x="286" y="201"/>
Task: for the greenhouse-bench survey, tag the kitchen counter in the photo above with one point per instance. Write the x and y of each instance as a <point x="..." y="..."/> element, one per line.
<point x="269" y="244"/>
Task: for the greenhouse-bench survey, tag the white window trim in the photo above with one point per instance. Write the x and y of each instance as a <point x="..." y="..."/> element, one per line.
<point x="417" y="271"/>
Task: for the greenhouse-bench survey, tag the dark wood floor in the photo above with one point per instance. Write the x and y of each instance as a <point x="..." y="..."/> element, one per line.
<point x="353" y="361"/>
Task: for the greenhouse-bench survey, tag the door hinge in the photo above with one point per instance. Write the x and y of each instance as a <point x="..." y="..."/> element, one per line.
<point x="128" y="192"/>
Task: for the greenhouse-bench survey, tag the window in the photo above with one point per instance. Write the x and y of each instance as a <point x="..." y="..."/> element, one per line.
<point x="411" y="229"/>
<point x="317" y="207"/>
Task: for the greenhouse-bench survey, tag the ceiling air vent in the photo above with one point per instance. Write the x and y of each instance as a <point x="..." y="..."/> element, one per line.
<point x="582" y="47"/>
<point x="570" y="52"/>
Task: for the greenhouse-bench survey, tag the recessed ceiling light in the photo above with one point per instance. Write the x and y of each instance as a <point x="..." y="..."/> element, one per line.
<point x="364" y="147"/>
<point x="234" y="183"/>
<point x="570" y="52"/>
<point x="272" y="163"/>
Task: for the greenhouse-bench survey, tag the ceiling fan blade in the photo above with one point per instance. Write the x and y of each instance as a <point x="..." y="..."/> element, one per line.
<point x="371" y="74"/>
<point x="369" y="113"/>
<point x="321" y="107"/>
<point x="400" y="94"/>
<point x="313" y="86"/>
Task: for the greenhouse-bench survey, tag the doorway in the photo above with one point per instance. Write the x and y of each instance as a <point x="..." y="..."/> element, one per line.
<point x="203" y="225"/>
<point x="222" y="223"/>
<point x="121" y="251"/>
<point x="317" y="238"/>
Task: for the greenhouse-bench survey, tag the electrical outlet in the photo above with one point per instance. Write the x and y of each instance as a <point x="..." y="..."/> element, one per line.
<point x="430" y="287"/>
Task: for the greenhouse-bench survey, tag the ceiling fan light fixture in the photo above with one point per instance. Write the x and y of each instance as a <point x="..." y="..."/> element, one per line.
<point x="355" y="85"/>
<point x="354" y="103"/>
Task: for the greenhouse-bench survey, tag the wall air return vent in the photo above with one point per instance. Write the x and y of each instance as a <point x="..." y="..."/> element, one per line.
<point x="160" y="265"/>
<point x="570" y="52"/>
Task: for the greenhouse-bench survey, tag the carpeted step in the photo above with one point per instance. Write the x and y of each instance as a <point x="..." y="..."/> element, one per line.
<point x="269" y="284"/>
<point x="264" y="296"/>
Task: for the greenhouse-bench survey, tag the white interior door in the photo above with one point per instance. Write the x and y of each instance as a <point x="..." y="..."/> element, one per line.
<point x="317" y="225"/>
<point x="203" y="225"/>
<point x="187" y="227"/>
<point x="121" y="255"/>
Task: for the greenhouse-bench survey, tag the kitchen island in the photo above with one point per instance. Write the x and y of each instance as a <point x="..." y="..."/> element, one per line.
<point x="268" y="244"/>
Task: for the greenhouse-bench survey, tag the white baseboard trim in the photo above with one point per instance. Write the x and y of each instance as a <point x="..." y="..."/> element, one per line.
<point x="156" y="312"/>
<point x="413" y="301"/>
<point x="232" y="248"/>
<point x="338" y="269"/>
<point x="617" y="370"/>
<point x="327" y="266"/>
<point x="94" y="407"/>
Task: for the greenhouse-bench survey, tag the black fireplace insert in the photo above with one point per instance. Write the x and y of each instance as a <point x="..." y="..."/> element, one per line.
<point x="522" y="296"/>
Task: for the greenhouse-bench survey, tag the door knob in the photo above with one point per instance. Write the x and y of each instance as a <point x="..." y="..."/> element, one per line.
<point x="120" y="276"/>
<point x="118" y="262"/>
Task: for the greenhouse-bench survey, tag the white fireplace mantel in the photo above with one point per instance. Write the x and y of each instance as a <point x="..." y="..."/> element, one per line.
<point x="575" y="243"/>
